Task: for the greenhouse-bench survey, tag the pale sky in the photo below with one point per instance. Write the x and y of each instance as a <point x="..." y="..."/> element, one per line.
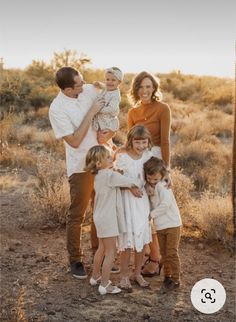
<point x="193" y="36"/>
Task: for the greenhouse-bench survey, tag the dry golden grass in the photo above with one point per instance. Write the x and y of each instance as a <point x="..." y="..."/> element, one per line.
<point x="14" y="182"/>
<point x="213" y="215"/>
<point x="180" y="109"/>
<point x="9" y="125"/>
<point x="201" y="124"/>
<point x="42" y="112"/>
<point x="25" y="134"/>
<point x="17" y="157"/>
<point x="48" y="142"/>
<point x="182" y="188"/>
<point x="51" y="197"/>
<point x="221" y="123"/>
<point x="8" y="182"/>
<point x="208" y="164"/>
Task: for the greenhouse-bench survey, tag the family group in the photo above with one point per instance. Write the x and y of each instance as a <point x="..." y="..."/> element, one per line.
<point x="134" y="208"/>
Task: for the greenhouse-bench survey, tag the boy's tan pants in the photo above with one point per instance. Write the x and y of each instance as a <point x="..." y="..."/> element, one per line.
<point x="169" y="243"/>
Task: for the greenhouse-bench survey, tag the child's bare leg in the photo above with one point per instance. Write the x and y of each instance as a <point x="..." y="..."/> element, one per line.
<point x="154" y="256"/>
<point x="138" y="258"/>
<point x="124" y="262"/>
<point x="124" y="269"/>
<point x="146" y="254"/>
<point x="98" y="259"/>
<point x="137" y="271"/>
<point x="110" y="250"/>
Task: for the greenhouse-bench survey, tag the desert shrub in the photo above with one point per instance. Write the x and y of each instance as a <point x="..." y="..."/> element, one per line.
<point x="49" y="142"/>
<point x="38" y="118"/>
<point x="213" y="210"/>
<point x="42" y="112"/>
<point x="9" y="124"/>
<point x="221" y="123"/>
<point x="193" y="129"/>
<point x="182" y="110"/>
<point x="228" y="108"/>
<point x="25" y="134"/>
<point x="40" y="70"/>
<point x="207" y="164"/>
<point x="40" y="95"/>
<point x="183" y="87"/>
<point x="21" y="92"/>
<point x="15" y="88"/>
<point x="220" y="94"/>
<point x="206" y="90"/>
<point x="51" y="198"/>
<point x="8" y="181"/>
<point x="204" y="123"/>
<point x="182" y="188"/>
<point x="18" y="157"/>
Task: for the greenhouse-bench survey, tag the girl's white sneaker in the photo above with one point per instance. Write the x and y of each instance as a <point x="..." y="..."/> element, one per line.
<point x="109" y="289"/>
<point x="94" y="282"/>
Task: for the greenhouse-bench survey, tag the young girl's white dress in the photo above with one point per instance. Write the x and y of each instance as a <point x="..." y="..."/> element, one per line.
<point x="137" y="210"/>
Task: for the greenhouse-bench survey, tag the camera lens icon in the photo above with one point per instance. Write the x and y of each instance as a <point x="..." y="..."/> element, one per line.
<point x="208" y="296"/>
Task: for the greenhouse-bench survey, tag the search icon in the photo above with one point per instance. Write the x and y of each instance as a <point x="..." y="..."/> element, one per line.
<point x="208" y="296"/>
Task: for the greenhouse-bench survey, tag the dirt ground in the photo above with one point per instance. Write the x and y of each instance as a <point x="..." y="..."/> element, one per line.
<point x="36" y="284"/>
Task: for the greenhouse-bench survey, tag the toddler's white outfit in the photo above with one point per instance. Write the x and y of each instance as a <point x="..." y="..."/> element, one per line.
<point x="107" y="117"/>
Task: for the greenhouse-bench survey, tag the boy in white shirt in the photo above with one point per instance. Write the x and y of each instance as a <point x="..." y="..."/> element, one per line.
<point x="166" y="215"/>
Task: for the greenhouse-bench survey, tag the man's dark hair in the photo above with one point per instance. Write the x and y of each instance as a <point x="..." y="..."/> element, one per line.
<point x="65" y="77"/>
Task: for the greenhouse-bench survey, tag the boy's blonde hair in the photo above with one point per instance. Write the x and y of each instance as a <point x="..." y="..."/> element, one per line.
<point x="94" y="155"/>
<point x="138" y="132"/>
<point x="154" y="165"/>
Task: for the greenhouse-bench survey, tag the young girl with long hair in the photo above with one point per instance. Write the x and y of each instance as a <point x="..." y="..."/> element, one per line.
<point x="108" y="214"/>
<point x="136" y="205"/>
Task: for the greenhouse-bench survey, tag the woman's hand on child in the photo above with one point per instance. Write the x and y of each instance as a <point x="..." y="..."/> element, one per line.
<point x="137" y="192"/>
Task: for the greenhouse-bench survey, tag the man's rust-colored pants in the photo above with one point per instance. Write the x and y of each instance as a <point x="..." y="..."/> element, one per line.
<point x="81" y="190"/>
<point x="169" y="244"/>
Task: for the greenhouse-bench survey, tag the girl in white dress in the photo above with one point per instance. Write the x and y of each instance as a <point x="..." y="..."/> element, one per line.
<point x="108" y="213"/>
<point x="136" y="205"/>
